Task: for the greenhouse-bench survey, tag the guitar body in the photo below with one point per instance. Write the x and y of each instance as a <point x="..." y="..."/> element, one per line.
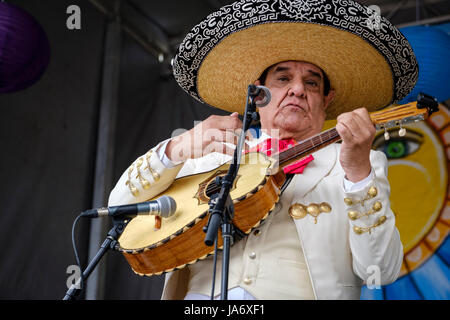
<point x="180" y="240"/>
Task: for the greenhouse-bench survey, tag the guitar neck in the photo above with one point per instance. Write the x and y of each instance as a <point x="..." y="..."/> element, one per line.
<point x="308" y="146"/>
<point x="384" y="119"/>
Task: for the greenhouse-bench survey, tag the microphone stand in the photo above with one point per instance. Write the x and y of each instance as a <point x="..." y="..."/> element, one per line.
<point x="221" y="205"/>
<point x="109" y="243"/>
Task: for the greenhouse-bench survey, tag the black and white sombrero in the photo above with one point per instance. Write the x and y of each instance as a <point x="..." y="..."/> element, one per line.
<point x="368" y="61"/>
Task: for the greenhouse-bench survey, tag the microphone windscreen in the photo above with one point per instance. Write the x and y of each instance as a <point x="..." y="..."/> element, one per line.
<point x="167" y="206"/>
<point x="264" y="97"/>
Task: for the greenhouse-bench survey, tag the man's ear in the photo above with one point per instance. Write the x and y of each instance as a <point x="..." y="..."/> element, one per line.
<point x="327" y="99"/>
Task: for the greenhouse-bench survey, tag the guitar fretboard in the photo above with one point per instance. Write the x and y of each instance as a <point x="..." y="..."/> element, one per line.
<point x="308" y="146"/>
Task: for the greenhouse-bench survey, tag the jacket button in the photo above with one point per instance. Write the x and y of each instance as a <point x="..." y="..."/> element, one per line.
<point x="247" y="281"/>
<point x="372" y="192"/>
<point x="252" y="255"/>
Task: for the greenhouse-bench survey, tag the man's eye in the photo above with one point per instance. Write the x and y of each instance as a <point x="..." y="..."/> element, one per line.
<point x="398" y="147"/>
<point x="283" y="78"/>
<point x="311" y="83"/>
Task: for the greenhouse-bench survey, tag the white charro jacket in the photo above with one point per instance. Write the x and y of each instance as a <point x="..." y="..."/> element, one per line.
<point x="338" y="260"/>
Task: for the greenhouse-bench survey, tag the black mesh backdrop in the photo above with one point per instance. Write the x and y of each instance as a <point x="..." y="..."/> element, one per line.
<point x="47" y="140"/>
<point x="48" y="136"/>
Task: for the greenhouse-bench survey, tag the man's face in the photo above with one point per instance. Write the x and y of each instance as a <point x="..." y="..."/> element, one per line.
<point x="298" y="104"/>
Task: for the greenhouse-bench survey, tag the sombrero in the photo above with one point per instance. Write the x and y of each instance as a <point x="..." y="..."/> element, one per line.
<point x="368" y="61"/>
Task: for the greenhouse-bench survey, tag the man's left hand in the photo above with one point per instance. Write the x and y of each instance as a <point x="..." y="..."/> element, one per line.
<point x="357" y="132"/>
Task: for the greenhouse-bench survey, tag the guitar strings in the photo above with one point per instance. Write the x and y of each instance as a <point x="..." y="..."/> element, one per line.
<point x="307" y="146"/>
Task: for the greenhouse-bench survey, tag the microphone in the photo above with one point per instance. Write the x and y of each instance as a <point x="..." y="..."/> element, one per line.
<point x="262" y="95"/>
<point x="164" y="206"/>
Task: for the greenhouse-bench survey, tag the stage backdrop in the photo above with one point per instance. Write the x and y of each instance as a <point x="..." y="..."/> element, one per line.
<point x="48" y="140"/>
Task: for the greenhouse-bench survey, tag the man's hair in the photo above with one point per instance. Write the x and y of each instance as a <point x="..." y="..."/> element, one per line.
<point x="326" y="81"/>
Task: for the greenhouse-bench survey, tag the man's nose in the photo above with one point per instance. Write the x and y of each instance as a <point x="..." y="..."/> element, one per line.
<point x="297" y="88"/>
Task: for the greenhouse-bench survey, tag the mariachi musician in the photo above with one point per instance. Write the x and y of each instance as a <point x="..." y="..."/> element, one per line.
<point x="332" y="227"/>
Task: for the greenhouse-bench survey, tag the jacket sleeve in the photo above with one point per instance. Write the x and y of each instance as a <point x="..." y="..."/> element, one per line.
<point x="374" y="239"/>
<point x="146" y="177"/>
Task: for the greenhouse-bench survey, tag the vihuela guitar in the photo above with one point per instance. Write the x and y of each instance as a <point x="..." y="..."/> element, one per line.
<point x="179" y="241"/>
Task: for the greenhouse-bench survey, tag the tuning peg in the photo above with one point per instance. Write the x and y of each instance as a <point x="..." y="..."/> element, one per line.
<point x="386" y="135"/>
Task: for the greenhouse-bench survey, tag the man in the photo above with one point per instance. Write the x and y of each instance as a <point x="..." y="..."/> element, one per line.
<point x="323" y="255"/>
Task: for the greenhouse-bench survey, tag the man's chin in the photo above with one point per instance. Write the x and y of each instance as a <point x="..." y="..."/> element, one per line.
<point x="292" y="125"/>
<point x="293" y="118"/>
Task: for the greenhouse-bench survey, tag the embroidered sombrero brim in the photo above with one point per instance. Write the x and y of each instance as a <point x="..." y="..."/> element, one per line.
<point x="368" y="61"/>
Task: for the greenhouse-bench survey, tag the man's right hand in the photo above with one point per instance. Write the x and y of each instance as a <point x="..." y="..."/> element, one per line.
<point x="208" y="136"/>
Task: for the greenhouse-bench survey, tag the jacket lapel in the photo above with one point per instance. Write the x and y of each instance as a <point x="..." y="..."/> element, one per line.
<point x="323" y="163"/>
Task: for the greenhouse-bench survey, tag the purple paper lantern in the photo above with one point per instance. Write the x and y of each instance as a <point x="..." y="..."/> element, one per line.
<point x="24" y="49"/>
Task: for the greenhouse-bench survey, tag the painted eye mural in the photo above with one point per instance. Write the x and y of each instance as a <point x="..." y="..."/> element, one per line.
<point x="418" y="174"/>
<point x="398" y="147"/>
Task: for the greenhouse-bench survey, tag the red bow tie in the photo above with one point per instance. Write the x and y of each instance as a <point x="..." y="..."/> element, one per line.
<point x="269" y="146"/>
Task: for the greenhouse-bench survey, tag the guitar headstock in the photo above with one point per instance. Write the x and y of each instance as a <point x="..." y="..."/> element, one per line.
<point x="397" y="116"/>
